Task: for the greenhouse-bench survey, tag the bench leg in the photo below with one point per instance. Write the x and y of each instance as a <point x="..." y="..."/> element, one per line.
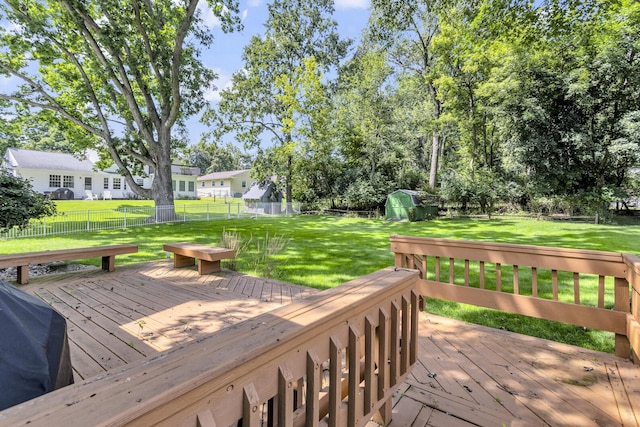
<point x="206" y="267"/>
<point x="109" y="263"/>
<point x="23" y="274"/>
<point x="182" y="261"/>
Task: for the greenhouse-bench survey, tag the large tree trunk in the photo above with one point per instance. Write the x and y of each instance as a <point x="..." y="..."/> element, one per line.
<point x="288" y="190"/>
<point x="162" y="185"/>
<point x="435" y="150"/>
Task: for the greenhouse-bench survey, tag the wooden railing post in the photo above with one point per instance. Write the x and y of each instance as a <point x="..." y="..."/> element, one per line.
<point x="633" y="319"/>
<point x="623" y="346"/>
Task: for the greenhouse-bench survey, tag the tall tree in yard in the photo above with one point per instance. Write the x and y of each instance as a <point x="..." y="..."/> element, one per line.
<point x="407" y="30"/>
<point x="122" y="74"/>
<point x="267" y="94"/>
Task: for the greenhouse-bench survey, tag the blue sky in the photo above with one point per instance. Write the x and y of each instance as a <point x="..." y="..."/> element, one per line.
<point x="225" y="56"/>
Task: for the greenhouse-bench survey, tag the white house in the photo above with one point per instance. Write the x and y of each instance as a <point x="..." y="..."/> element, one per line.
<point x="224" y="184"/>
<point x="50" y="171"/>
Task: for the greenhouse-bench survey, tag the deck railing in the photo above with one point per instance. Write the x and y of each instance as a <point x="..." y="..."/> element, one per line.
<point x="580" y="287"/>
<point x="333" y="359"/>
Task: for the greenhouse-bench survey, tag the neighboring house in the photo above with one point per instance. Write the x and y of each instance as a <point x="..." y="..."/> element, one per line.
<point x="263" y="198"/>
<point x="224" y="184"/>
<point x="50" y="171"/>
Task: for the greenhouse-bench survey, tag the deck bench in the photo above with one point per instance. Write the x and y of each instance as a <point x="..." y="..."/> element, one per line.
<point x="185" y="254"/>
<point x="23" y="260"/>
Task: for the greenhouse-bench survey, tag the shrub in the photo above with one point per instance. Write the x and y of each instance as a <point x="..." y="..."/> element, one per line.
<point x="19" y="203"/>
<point x="412" y="214"/>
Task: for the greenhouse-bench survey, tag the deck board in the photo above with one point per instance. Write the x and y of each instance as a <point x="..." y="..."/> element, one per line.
<point x="466" y="375"/>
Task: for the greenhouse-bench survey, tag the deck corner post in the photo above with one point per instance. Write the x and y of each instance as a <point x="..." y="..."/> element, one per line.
<point x="622" y="295"/>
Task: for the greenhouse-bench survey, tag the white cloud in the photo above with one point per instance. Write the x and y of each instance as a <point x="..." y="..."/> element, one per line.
<point x="352" y="4"/>
<point x="222" y="82"/>
<point x="254" y="3"/>
<point x="244" y="14"/>
<point x="209" y="19"/>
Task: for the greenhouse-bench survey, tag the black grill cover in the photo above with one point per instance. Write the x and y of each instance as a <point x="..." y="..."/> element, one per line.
<point x="34" y="350"/>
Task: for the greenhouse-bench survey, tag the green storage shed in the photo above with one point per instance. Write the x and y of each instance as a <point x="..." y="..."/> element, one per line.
<point x="400" y="201"/>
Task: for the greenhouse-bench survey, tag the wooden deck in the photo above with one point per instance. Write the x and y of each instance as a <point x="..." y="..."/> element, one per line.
<point x="467" y="375"/>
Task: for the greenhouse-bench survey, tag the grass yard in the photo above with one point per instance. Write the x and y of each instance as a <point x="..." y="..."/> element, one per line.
<point x="323" y="252"/>
<point x="96" y="205"/>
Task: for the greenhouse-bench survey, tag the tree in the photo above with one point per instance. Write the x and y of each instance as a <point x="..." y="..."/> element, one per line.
<point x="265" y="98"/>
<point x="19" y="203"/>
<point x="212" y="157"/>
<point x="407" y="30"/>
<point x="119" y="76"/>
<point x="577" y="87"/>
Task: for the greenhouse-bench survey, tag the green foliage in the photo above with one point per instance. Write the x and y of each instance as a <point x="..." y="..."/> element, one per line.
<point x="280" y="93"/>
<point x="233" y="240"/>
<point x="412" y="214"/>
<point x="19" y="203"/>
<point x="212" y="157"/>
<point x="97" y="63"/>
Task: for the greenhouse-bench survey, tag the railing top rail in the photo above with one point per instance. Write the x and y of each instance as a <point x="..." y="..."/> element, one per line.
<point x="565" y="259"/>
<point x="215" y="368"/>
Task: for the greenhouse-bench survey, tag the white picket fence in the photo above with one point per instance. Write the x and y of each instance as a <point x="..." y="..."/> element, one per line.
<point x="128" y="217"/>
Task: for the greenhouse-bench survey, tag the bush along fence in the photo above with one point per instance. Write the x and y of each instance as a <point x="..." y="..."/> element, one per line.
<point x="128" y="217"/>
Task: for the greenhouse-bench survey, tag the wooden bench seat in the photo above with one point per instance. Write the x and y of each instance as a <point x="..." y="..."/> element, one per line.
<point x="185" y="254"/>
<point x="23" y="260"/>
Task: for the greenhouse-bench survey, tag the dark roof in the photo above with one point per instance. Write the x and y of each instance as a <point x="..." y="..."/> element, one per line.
<point x="257" y="192"/>
<point x="221" y="175"/>
<point x="31" y="159"/>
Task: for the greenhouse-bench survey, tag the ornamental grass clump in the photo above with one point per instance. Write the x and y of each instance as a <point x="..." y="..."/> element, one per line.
<point x="233" y="240"/>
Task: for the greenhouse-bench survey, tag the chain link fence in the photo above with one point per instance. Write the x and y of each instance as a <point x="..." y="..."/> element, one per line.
<point x="128" y="217"/>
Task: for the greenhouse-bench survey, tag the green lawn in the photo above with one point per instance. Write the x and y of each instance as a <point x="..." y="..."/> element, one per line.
<point x="95" y="205"/>
<point x="323" y="252"/>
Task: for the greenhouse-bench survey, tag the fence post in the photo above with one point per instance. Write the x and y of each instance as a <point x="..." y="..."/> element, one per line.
<point x="229" y="211"/>
<point x="44" y="223"/>
<point x="207" y="211"/>
<point x="184" y="213"/>
<point x="88" y="220"/>
<point x="238" y="206"/>
<point x="156" y="213"/>
<point x="125" y="217"/>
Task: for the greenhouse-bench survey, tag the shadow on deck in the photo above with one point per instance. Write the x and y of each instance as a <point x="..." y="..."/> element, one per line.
<point x="465" y="374"/>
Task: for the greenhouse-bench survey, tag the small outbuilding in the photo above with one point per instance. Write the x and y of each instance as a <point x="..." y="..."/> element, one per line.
<point x="263" y="198"/>
<point x="404" y="204"/>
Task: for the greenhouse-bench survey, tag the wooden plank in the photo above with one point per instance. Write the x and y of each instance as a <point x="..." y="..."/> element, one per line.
<point x="622" y="397"/>
<point x="580" y="405"/>
<point x="41" y="257"/>
<point x="195" y="250"/>
<point x="457" y="408"/>
<point x="590" y="317"/>
<point x="405" y="412"/>
<point x="564" y="259"/>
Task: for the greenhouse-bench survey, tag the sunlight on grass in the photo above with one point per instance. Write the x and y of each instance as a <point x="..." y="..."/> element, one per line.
<point x="323" y="252"/>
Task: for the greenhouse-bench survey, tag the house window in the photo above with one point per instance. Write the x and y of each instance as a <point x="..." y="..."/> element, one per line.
<point x="116" y="184"/>
<point x="202" y="185"/>
<point x="244" y="184"/>
<point x="213" y="183"/>
<point x="173" y="185"/>
<point x="124" y="184"/>
<point x="140" y="181"/>
<point x="221" y="183"/>
<point x="54" y="181"/>
<point x="192" y="186"/>
<point x="105" y="184"/>
<point x="182" y="187"/>
<point x="67" y="181"/>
